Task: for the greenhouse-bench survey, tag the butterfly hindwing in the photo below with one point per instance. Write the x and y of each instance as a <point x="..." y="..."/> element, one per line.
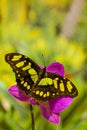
<point x="26" y="71"/>
<point x="52" y="86"/>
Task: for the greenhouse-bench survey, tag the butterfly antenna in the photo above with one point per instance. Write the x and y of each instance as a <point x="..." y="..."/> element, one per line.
<point x="43" y="60"/>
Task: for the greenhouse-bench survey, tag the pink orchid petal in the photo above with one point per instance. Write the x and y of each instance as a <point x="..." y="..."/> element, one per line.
<point x="59" y="104"/>
<point x="20" y="95"/>
<point x="48" y="114"/>
<point x="56" y="68"/>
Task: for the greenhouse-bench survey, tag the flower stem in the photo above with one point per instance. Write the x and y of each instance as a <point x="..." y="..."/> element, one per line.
<point x="32" y="117"/>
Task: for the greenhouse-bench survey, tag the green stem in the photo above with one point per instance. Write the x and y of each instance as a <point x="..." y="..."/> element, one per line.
<point x="32" y="117"/>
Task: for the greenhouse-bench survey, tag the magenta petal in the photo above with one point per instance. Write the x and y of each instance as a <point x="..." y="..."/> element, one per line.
<point x="48" y="114"/>
<point x="59" y="104"/>
<point x="56" y="68"/>
<point x="20" y="95"/>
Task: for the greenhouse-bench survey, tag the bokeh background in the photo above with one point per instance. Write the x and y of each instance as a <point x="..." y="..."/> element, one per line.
<point x="46" y="31"/>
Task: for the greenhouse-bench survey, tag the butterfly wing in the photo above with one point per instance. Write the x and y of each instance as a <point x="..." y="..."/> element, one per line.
<point x="25" y="69"/>
<point x="52" y="85"/>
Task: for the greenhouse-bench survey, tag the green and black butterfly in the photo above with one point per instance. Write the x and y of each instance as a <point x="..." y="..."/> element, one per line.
<point x="40" y="84"/>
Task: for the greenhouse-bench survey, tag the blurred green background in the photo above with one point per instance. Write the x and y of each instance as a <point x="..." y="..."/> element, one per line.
<point x="56" y="29"/>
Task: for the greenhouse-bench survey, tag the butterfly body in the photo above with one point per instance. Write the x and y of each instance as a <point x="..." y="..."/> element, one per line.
<point x="33" y="80"/>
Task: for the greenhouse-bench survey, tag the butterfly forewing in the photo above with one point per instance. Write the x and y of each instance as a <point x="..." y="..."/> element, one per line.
<point x="26" y="71"/>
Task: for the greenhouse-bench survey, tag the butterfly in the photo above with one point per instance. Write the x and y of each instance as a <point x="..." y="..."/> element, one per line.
<point x="36" y="81"/>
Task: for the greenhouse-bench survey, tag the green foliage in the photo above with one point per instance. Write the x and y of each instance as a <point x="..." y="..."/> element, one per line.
<point x="34" y="34"/>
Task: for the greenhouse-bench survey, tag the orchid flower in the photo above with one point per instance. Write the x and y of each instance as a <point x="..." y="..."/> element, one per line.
<point x="51" y="109"/>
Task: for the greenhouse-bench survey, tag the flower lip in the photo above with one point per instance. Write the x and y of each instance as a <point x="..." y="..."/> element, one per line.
<point x="48" y="114"/>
